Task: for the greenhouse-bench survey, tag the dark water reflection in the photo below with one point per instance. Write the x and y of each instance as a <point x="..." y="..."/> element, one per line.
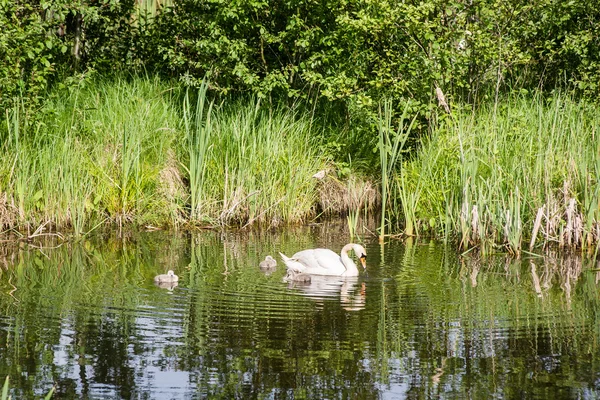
<point x="424" y="322"/>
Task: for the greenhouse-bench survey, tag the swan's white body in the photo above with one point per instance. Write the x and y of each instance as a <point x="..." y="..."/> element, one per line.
<point x="169" y="277"/>
<point x="326" y="262"/>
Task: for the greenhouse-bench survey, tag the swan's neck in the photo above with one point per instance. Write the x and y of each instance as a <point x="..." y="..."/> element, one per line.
<point x="351" y="268"/>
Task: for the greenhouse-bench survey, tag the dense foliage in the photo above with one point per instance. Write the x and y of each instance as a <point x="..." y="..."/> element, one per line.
<point x="356" y="51"/>
<point x="43" y="41"/>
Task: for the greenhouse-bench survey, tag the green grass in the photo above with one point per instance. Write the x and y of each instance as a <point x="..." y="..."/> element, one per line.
<point x="198" y="128"/>
<point x="92" y="154"/>
<point x="485" y="176"/>
<point x="142" y="152"/>
<point x="261" y="162"/>
<point x="390" y="145"/>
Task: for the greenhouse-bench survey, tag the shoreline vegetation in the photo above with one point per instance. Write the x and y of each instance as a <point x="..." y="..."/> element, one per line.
<point x="521" y="174"/>
<point x="516" y="175"/>
<point x="468" y="122"/>
<point x="141" y="152"/>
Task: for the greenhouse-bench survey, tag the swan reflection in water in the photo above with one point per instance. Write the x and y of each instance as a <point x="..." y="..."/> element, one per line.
<point x="166" y="285"/>
<point x="351" y="292"/>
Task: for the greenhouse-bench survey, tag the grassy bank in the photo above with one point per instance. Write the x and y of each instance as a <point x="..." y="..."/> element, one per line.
<point x="519" y="174"/>
<point x="143" y="152"/>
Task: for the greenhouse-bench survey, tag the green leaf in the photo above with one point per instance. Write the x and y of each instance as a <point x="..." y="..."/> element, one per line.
<point x="5" y="388"/>
<point x="38" y="195"/>
<point x="50" y="393"/>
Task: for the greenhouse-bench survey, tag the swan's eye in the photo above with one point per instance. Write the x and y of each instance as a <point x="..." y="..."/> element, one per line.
<point x="364" y="256"/>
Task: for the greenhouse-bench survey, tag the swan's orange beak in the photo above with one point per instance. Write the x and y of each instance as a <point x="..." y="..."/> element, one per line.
<point x="363" y="261"/>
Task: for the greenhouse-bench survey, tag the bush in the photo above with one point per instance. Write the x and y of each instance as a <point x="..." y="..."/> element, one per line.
<point x="358" y="51"/>
<point x="43" y="41"/>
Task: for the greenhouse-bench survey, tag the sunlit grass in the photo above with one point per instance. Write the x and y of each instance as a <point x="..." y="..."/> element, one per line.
<point x="487" y="175"/>
<point x="93" y="153"/>
<point x="390" y="145"/>
<point x="138" y="152"/>
<point x="260" y="166"/>
<point x="198" y="126"/>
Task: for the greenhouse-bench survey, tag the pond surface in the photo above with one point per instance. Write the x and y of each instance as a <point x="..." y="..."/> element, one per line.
<point x="424" y="323"/>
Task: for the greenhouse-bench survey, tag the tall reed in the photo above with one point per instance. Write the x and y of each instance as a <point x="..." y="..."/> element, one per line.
<point x="197" y="132"/>
<point x="488" y="174"/>
<point x="261" y="165"/>
<point x="390" y="145"/>
<point x="352" y="220"/>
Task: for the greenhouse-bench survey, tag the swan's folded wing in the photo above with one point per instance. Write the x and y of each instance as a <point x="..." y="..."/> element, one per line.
<point x="293" y="263"/>
<point x="320" y="262"/>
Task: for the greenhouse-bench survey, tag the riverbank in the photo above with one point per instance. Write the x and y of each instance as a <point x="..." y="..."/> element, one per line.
<point x="148" y="153"/>
<point x="145" y="153"/>
<point x="518" y="174"/>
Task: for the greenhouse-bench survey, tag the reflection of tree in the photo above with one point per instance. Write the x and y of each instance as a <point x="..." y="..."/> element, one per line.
<point x="289" y="345"/>
<point x="111" y="364"/>
<point x="483" y="326"/>
<point x="433" y="324"/>
<point x="73" y="322"/>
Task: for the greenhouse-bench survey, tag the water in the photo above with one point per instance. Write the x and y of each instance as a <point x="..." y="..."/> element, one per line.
<point x="424" y="323"/>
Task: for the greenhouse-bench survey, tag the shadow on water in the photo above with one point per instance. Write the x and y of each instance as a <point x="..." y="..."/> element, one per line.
<point x="423" y="323"/>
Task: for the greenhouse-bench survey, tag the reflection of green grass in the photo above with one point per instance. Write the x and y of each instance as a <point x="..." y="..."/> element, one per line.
<point x="462" y="316"/>
<point x="91" y="288"/>
<point x="429" y="315"/>
<point x="6" y="386"/>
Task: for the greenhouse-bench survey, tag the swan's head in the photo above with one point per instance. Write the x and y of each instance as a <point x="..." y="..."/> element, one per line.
<point x="171" y="273"/>
<point x="361" y="253"/>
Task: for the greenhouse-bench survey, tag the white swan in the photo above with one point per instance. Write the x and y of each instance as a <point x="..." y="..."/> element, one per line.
<point x="169" y="277"/>
<point x="268" y="264"/>
<point x="326" y="262"/>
